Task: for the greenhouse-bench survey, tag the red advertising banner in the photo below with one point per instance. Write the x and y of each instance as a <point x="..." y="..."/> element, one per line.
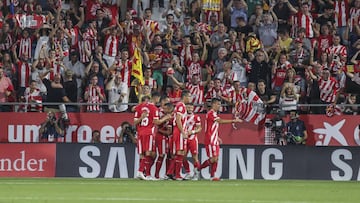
<point x="27" y="160"/>
<point x="325" y="131"/>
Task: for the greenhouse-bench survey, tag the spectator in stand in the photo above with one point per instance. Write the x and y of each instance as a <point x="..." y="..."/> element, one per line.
<point x="327" y="17"/>
<point x="260" y="68"/>
<point x="6" y="39"/>
<point x="6" y="89"/>
<point x="23" y="71"/>
<point x="179" y="71"/>
<point x="337" y="54"/>
<point x="305" y="19"/>
<point x="9" y="68"/>
<point x="267" y="29"/>
<point x="256" y="17"/>
<point x="118" y="92"/>
<point x="94" y="69"/>
<point x="72" y="63"/>
<point x="288" y="99"/>
<point x="95" y="138"/>
<point x="284" y="40"/>
<point x="237" y="8"/>
<point x="227" y="77"/>
<point x="330" y="94"/>
<point x="279" y="73"/>
<point x="32" y="98"/>
<point x="352" y="109"/>
<point x="186" y="28"/>
<point x="299" y="57"/>
<point x="94" y="95"/>
<point x="55" y="91"/>
<point x="71" y="88"/>
<point x="218" y="92"/>
<point x="306" y="43"/>
<point x="324" y="40"/>
<point x="283" y="10"/>
<point x="196" y="88"/>
<point x="173" y="10"/>
<point x="265" y="95"/>
<point x="341" y="8"/>
<point x="174" y="93"/>
<point x="296" y="81"/>
<point x="240" y="66"/>
<point x="217" y="40"/>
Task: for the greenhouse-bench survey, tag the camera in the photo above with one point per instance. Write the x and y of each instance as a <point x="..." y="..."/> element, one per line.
<point x="277" y="126"/>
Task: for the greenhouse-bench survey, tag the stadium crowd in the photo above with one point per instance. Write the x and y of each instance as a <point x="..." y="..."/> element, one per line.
<point x="289" y="52"/>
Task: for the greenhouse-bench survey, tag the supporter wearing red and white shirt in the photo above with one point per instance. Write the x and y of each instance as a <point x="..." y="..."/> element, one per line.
<point x="305" y="20"/>
<point x="55" y="64"/>
<point x="94" y="95"/>
<point x="341" y="8"/>
<point x="179" y="132"/>
<point x="227" y="76"/>
<point x="325" y="40"/>
<point x="217" y="92"/>
<point x="196" y="88"/>
<point x="328" y="86"/>
<point x="23" y="70"/>
<point x="111" y="43"/>
<point x="194" y="66"/>
<point x="125" y="66"/>
<point x="355" y="73"/>
<point x="73" y="32"/>
<point x="92" y="6"/>
<point x="193" y="126"/>
<point x="33" y="98"/>
<point x="151" y="82"/>
<point x="212" y="140"/>
<point x="24" y="43"/>
<point x="279" y="72"/>
<point x="337" y="54"/>
<point x="174" y="93"/>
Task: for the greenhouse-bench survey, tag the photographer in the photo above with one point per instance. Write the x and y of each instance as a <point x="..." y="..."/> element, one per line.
<point x="51" y="130"/>
<point x="276" y="127"/>
<point x="296" y="130"/>
<point x="127" y="134"/>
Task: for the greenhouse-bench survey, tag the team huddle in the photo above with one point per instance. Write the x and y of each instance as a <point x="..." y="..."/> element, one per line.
<point x="176" y="135"/>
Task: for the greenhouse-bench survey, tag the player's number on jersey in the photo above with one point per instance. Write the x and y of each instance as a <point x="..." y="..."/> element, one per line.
<point x="145" y="121"/>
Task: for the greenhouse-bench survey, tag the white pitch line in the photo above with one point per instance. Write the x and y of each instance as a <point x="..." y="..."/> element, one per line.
<point x="151" y="199"/>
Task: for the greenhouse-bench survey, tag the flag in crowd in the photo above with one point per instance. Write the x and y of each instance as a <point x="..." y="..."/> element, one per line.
<point x="137" y="71"/>
<point x="250" y="108"/>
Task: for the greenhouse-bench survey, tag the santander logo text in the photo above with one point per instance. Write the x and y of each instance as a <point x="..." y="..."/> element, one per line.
<point x="22" y="163"/>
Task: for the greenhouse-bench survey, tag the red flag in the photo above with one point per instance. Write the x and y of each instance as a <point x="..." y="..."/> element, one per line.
<point x="250" y="107"/>
<point x="30" y="21"/>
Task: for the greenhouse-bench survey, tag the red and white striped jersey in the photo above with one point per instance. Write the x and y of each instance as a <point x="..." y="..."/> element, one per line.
<point x="24" y="72"/>
<point x="153" y="27"/>
<point x="111" y="45"/>
<point x="341" y="8"/>
<point x="6" y="45"/>
<point x="328" y="89"/>
<point x="33" y="99"/>
<point x="185" y="54"/>
<point x="225" y="82"/>
<point x="280" y="74"/>
<point x="197" y="95"/>
<point x="125" y="71"/>
<point x="192" y="122"/>
<point x="306" y="21"/>
<point x="151" y="82"/>
<point x="354" y="18"/>
<point x="213" y="93"/>
<point x="324" y="42"/>
<point x="25" y="46"/>
<point x="194" y="68"/>
<point x="74" y="33"/>
<point x="57" y="69"/>
<point x="82" y="46"/>
<point x="94" y="98"/>
<point x="165" y="125"/>
<point x="180" y="109"/>
<point x="92" y="37"/>
<point x="339" y="50"/>
<point x="249" y="107"/>
<point x="211" y="128"/>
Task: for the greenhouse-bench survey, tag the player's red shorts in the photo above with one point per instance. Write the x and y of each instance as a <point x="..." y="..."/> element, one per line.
<point x="146" y="143"/>
<point x="162" y="144"/>
<point x="178" y="141"/>
<point x="192" y="145"/>
<point x="212" y="150"/>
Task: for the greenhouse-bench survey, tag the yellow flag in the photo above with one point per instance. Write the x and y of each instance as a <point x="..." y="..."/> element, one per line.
<point x="137" y="71"/>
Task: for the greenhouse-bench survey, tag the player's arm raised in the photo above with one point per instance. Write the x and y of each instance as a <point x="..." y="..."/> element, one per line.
<point x="162" y="120"/>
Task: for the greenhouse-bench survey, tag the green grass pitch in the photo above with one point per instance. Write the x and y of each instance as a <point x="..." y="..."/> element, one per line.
<point x="76" y="190"/>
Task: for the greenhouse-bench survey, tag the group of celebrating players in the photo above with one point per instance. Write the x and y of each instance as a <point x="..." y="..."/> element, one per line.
<point x="176" y="135"/>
